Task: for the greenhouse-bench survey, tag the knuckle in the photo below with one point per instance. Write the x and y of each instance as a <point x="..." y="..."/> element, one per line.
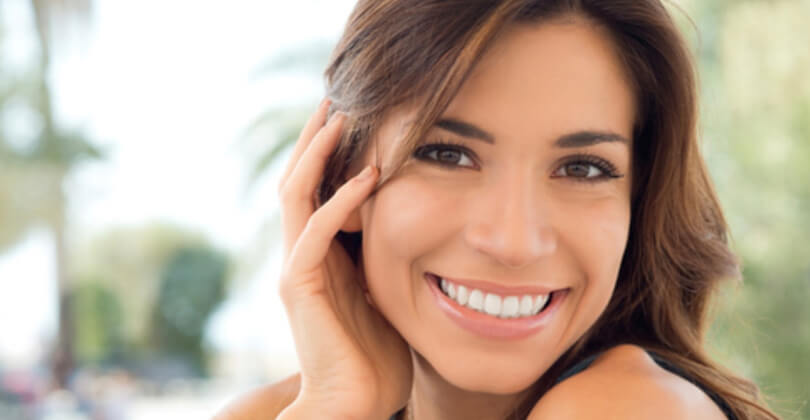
<point x="289" y="194"/>
<point x="284" y="288"/>
<point x="315" y="224"/>
<point x="284" y="191"/>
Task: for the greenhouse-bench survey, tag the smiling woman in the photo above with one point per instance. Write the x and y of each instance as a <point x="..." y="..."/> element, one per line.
<point x="542" y="239"/>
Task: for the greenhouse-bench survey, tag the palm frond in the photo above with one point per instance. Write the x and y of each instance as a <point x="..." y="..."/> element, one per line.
<point x="308" y="59"/>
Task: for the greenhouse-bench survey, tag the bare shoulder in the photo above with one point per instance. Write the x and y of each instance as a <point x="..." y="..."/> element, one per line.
<point x="625" y="383"/>
<point x="263" y="403"/>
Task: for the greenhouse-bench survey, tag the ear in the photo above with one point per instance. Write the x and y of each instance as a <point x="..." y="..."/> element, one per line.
<point x="354" y="223"/>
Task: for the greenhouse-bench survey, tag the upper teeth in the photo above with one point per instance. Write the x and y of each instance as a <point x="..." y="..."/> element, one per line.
<point x="493" y="304"/>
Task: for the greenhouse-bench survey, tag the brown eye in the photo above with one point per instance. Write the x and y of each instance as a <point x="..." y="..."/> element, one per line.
<point x="582" y="170"/>
<point x="446" y="155"/>
<point x="587" y="168"/>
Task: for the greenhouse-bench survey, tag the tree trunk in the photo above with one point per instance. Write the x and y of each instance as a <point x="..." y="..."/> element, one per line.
<point x="63" y="361"/>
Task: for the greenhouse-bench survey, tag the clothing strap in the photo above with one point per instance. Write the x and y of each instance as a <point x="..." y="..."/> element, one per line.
<point x="664" y="363"/>
<point x="661" y="361"/>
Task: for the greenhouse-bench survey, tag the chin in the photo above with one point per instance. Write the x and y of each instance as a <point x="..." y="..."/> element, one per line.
<point x="491" y="374"/>
<point x="485" y="381"/>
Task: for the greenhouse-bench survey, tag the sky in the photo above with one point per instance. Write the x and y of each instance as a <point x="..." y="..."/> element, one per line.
<point x="167" y="89"/>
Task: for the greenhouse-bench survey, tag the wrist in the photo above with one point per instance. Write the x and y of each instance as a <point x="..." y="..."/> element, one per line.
<point x="308" y="410"/>
<point x="299" y="410"/>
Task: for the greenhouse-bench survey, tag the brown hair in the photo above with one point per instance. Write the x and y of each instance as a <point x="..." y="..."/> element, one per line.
<point x="397" y="52"/>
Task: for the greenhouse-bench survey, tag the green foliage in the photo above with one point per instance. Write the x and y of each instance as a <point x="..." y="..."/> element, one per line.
<point x="163" y="281"/>
<point x="754" y="63"/>
<point x="192" y="285"/>
<point x="98" y="331"/>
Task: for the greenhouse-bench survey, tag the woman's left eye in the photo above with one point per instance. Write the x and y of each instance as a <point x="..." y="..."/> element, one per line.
<point x="580" y="170"/>
<point x="587" y="168"/>
<point x="446" y="154"/>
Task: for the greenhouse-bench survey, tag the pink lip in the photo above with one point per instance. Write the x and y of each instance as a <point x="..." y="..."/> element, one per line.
<point x="486" y="286"/>
<point x="489" y="326"/>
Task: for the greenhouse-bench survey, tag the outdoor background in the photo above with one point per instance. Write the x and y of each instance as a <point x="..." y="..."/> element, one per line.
<point x="140" y="147"/>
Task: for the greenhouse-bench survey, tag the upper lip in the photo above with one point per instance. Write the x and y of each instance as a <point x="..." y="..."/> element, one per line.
<point x="498" y="289"/>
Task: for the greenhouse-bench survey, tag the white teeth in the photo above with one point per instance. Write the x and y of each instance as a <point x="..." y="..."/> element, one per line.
<point x="476" y="300"/>
<point x="539" y="302"/>
<point x="462" y="295"/>
<point x="526" y="305"/>
<point x="492" y="304"/>
<point x="510" y="308"/>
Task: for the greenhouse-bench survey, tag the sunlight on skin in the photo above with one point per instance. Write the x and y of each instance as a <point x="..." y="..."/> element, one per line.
<point x="504" y="216"/>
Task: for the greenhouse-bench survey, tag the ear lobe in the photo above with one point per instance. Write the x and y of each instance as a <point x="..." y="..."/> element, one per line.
<point x="353" y="223"/>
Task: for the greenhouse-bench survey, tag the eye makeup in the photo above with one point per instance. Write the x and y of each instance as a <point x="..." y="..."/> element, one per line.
<point x="452" y="155"/>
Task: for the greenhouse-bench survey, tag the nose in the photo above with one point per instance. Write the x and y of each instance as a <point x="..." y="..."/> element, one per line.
<point x="511" y="225"/>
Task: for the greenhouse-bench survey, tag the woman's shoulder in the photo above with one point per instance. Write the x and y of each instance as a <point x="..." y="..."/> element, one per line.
<point x="624" y="382"/>
<point x="265" y="402"/>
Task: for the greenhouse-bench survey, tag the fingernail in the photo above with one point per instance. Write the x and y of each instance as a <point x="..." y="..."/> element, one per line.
<point x="365" y="174"/>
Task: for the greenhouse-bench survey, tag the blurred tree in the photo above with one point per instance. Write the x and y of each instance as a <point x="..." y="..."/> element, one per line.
<point x="143" y="297"/>
<point x="98" y="327"/>
<point x="130" y="262"/>
<point x="32" y="179"/>
<point x="192" y="285"/>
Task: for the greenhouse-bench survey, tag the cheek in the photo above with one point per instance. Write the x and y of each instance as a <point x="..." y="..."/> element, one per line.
<point x="604" y="234"/>
<point x="399" y="220"/>
<point x="407" y="218"/>
<point x="597" y="235"/>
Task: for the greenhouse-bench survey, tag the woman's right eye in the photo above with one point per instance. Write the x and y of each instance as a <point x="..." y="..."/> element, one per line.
<point x="446" y="154"/>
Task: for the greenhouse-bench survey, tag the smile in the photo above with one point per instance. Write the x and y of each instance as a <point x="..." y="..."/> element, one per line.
<point x="494" y="304"/>
<point x="494" y="315"/>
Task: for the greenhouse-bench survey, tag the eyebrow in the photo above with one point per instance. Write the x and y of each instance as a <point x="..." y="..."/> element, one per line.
<point x="571" y="140"/>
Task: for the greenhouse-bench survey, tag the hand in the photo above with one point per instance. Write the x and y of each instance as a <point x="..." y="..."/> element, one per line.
<point x="354" y="364"/>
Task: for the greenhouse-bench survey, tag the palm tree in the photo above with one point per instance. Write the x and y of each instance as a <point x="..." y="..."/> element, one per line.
<point x="45" y="166"/>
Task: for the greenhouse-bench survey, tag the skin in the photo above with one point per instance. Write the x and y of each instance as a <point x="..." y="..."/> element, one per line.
<point x="513" y="219"/>
<point x="519" y="212"/>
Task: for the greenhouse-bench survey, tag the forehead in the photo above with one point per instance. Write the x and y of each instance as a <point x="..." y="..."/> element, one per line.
<point x="541" y="81"/>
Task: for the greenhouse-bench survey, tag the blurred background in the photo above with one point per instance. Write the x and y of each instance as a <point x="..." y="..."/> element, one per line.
<point x="141" y="143"/>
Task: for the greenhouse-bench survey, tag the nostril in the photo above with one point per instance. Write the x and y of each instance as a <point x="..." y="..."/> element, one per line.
<point x="514" y="248"/>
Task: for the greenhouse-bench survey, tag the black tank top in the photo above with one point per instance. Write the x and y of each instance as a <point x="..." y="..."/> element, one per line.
<point x="582" y="365"/>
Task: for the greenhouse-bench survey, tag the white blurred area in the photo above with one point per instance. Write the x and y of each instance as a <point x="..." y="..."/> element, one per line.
<point x="167" y="90"/>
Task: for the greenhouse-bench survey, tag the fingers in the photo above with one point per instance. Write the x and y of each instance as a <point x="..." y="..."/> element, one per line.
<point x="313" y="244"/>
<point x="308" y="171"/>
<point x="315" y="122"/>
<point x="298" y="191"/>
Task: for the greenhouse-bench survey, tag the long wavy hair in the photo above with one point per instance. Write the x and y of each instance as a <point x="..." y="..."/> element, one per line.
<point x="398" y="52"/>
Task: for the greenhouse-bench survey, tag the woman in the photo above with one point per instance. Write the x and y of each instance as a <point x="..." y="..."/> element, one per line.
<point x="534" y="234"/>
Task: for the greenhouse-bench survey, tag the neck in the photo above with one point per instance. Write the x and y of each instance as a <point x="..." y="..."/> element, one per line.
<point x="432" y="397"/>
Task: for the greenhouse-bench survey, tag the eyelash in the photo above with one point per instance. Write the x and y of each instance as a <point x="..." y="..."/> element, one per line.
<point x="607" y="169"/>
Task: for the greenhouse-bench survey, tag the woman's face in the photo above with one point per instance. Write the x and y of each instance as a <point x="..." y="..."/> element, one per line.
<point x="530" y="199"/>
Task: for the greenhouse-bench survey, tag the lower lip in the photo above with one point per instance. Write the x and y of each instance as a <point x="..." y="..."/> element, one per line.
<point x="489" y="326"/>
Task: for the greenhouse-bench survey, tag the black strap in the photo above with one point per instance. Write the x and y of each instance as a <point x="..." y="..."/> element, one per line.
<point x="661" y="361"/>
<point x="664" y="363"/>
